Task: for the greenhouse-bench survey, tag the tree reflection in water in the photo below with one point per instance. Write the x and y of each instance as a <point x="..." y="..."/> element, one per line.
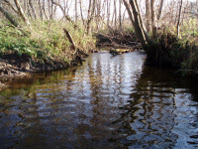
<point x="109" y="102"/>
<point x="160" y="113"/>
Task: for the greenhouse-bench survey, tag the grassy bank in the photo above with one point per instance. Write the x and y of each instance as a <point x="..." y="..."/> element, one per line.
<point x="43" y="47"/>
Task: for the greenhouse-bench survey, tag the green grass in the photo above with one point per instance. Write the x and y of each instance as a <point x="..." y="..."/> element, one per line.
<point x="46" y="40"/>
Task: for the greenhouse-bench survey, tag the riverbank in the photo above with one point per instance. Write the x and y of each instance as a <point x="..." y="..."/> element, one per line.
<point x="172" y="52"/>
<point x="53" y="46"/>
<point x="47" y="46"/>
<point x="14" y="67"/>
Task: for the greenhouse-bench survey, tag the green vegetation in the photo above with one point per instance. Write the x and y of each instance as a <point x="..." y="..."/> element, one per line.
<point x="170" y="51"/>
<point x="45" y="41"/>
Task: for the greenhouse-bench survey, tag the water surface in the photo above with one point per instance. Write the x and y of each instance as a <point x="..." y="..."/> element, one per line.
<point x="108" y="102"/>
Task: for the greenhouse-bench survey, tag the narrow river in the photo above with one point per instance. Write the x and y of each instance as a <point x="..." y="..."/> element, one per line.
<point x="107" y="103"/>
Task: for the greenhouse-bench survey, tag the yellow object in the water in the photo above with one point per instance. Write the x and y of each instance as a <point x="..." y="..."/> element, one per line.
<point x="123" y="50"/>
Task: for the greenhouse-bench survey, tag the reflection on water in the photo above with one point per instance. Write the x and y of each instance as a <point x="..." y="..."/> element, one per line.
<point x="160" y="113"/>
<point x="109" y="102"/>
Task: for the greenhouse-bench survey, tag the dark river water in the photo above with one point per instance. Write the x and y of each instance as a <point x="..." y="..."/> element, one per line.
<point x="107" y="103"/>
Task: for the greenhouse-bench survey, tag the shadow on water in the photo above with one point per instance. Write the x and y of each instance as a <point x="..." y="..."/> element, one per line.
<point x="109" y="102"/>
<point x="161" y="112"/>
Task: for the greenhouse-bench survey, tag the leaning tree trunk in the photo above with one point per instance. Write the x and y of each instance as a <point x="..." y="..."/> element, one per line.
<point x="160" y="9"/>
<point x="129" y="12"/>
<point x="8" y="17"/>
<point x="21" y="12"/>
<point x="178" y="21"/>
<point x="13" y="8"/>
<point x="140" y="32"/>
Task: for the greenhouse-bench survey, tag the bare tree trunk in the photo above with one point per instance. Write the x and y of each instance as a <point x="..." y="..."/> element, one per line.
<point x="148" y="24"/>
<point x="178" y="22"/>
<point x="54" y="10"/>
<point x="25" y="6"/>
<point x="49" y="8"/>
<point x="44" y="12"/>
<point x="129" y="12"/>
<point x="89" y="9"/>
<point x="102" y="16"/>
<point x="68" y="7"/>
<point x="160" y="9"/>
<point x="115" y="13"/>
<point x="41" y="11"/>
<point x="153" y="18"/>
<point x="8" y="17"/>
<point x="97" y="13"/>
<point x="76" y="10"/>
<point x="112" y="19"/>
<point x="120" y="14"/>
<point x="123" y="16"/>
<point x="91" y="16"/>
<point x="28" y="11"/>
<point x="137" y="23"/>
<point x="108" y="12"/>
<point x="33" y="10"/>
<point x="21" y="12"/>
<point x="81" y="13"/>
<point x="8" y="2"/>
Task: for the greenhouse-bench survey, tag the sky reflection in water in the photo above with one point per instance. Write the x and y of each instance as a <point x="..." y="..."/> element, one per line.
<point x="109" y="102"/>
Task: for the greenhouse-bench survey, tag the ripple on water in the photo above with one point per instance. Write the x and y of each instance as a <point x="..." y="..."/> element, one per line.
<point x="109" y="102"/>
